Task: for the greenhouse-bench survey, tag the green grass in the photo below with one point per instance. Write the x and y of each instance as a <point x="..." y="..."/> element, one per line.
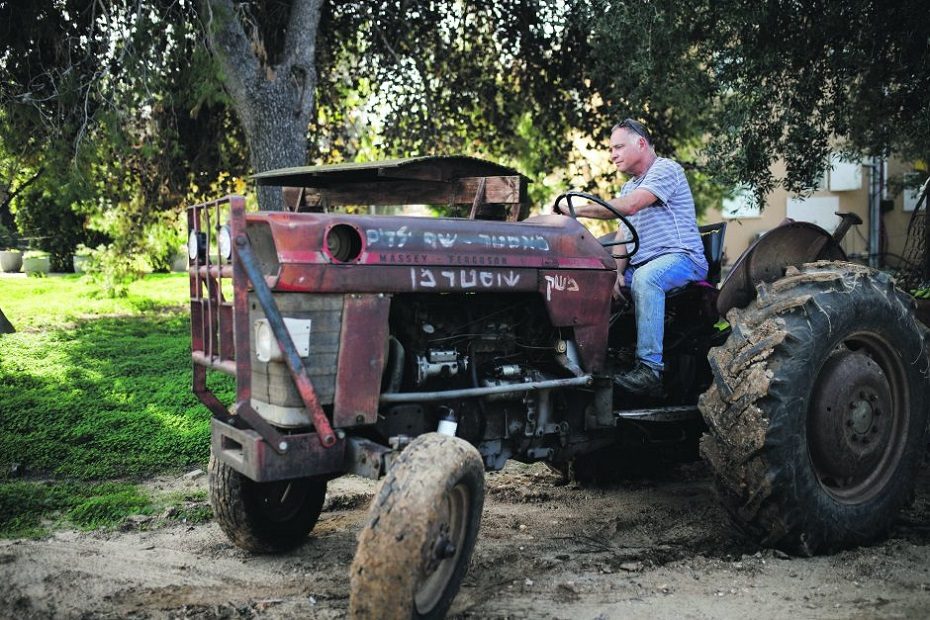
<point x="27" y="509"/>
<point x="50" y="303"/>
<point x="94" y="389"/>
<point x="188" y="507"/>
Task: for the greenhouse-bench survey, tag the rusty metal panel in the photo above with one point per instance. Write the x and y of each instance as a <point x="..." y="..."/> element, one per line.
<point x="246" y="261"/>
<point x="791" y="243"/>
<point x="390" y="279"/>
<point x="498" y="190"/>
<point x="592" y="346"/>
<point x="361" y="359"/>
<point x="581" y="299"/>
<point x="365" y="458"/>
<point x="575" y="297"/>
<point x="550" y="241"/>
<point x="246" y="452"/>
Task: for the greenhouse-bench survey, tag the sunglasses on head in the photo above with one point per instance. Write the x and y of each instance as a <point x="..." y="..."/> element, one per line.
<point x="636" y="127"/>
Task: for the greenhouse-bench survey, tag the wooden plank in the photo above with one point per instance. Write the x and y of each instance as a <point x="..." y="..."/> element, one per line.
<point x="292" y="197"/>
<point x="444" y="168"/>
<point x="500" y="190"/>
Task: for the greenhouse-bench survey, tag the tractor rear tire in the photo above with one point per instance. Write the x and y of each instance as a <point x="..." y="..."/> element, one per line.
<point x="817" y="417"/>
<point x="264" y="517"/>
<point x="422" y="525"/>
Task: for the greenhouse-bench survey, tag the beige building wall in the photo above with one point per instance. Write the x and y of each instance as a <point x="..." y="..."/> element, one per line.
<point x="742" y="231"/>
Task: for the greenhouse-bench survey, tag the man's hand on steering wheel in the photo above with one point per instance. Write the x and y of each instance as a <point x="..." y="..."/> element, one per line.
<point x="632" y="235"/>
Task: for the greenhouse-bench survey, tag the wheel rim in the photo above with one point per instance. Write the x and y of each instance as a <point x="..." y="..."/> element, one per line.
<point x="445" y="558"/>
<point x="281" y="501"/>
<point x="857" y="430"/>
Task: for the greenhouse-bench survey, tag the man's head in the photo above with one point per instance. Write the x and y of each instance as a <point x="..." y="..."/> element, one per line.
<point x="631" y="147"/>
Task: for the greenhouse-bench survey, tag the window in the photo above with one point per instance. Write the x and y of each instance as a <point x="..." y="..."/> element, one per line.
<point x="845" y="176"/>
<point x="819" y="210"/>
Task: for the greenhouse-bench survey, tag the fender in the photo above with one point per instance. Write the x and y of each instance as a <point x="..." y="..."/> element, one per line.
<point x="790" y="243"/>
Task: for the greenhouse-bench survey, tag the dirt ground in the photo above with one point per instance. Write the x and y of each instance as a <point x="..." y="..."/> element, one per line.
<point x="658" y="548"/>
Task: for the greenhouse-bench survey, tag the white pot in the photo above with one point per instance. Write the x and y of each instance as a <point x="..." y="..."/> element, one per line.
<point x="11" y="261"/>
<point x="37" y="264"/>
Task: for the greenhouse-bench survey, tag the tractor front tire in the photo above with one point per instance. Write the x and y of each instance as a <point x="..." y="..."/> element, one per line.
<point x="817" y="417"/>
<point x="422" y="525"/>
<point x="264" y="517"/>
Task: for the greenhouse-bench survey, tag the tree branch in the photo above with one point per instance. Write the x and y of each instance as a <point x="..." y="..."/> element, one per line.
<point x="300" y="41"/>
<point x="10" y="194"/>
<point x="300" y="50"/>
<point x="230" y="45"/>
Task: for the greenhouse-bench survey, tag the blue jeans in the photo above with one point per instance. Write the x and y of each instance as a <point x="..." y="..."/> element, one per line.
<point x="650" y="283"/>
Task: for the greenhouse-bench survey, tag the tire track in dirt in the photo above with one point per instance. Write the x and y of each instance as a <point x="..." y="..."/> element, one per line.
<point x="655" y="548"/>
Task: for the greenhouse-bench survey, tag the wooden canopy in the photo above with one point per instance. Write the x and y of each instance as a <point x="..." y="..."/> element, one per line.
<point x="414" y="180"/>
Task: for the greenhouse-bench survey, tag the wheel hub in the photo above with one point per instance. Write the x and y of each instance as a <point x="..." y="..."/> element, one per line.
<point x="445" y="549"/>
<point x="860" y="416"/>
<point x="851" y="419"/>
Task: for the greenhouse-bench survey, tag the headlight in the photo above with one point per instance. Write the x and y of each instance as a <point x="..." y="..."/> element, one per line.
<point x="195" y="244"/>
<point x="224" y="239"/>
<point x="266" y="345"/>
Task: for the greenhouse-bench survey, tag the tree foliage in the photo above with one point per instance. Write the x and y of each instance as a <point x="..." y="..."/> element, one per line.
<point x="644" y="61"/>
<point x="122" y="110"/>
<point x="796" y="79"/>
<point x="116" y="125"/>
<point x="732" y="87"/>
<point x="488" y="78"/>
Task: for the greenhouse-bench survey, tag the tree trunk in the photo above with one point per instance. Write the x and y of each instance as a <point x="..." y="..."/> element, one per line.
<point x="5" y="326"/>
<point x="273" y="102"/>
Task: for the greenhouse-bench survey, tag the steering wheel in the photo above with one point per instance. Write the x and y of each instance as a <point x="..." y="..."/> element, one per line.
<point x="633" y="236"/>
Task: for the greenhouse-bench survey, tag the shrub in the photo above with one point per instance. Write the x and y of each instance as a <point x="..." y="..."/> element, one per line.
<point x="44" y="211"/>
<point x="112" y="271"/>
<point x="9" y="240"/>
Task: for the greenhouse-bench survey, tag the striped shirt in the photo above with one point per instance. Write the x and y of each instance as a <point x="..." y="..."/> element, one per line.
<point x="668" y="225"/>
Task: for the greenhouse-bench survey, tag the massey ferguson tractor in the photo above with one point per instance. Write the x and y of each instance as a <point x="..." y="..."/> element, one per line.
<point x="424" y="351"/>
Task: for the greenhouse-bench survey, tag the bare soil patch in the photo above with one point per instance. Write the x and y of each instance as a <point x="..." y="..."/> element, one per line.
<point x="655" y="548"/>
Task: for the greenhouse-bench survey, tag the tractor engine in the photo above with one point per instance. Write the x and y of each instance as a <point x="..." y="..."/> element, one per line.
<point x="449" y="342"/>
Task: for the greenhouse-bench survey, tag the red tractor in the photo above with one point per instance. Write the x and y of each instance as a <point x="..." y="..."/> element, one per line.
<point x="424" y="351"/>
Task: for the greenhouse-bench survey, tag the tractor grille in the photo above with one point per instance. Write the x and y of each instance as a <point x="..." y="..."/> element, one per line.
<point x="271" y="381"/>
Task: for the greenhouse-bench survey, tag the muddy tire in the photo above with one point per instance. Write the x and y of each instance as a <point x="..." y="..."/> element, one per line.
<point x="264" y="517"/>
<point x="817" y="416"/>
<point x="422" y="525"/>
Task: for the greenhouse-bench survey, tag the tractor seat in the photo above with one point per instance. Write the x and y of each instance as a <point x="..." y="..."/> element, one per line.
<point x="712" y="239"/>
